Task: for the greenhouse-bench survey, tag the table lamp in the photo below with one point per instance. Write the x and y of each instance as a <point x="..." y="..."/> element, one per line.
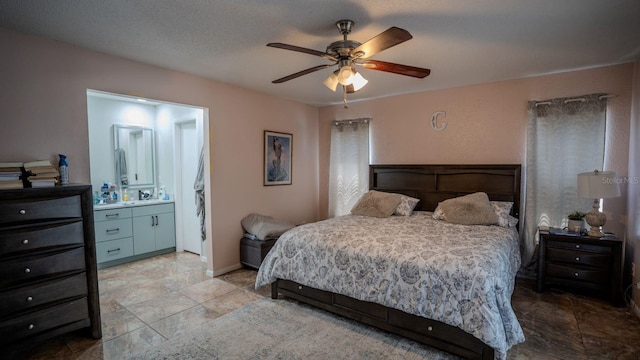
<point x="597" y="185"/>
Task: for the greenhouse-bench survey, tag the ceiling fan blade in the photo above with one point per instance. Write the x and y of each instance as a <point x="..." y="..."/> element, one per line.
<point x="386" y="39"/>
<point x="298" y="49"/>
<point x="300" y="73"/>
<point x="396" y="68"/>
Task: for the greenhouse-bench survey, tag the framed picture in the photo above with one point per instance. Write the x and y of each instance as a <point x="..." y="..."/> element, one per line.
<point x="277" y="158"/>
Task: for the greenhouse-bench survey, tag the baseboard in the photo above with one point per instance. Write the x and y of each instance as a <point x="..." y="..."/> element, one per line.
<point x="224" y="270"/>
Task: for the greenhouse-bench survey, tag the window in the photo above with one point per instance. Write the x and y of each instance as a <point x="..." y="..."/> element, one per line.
<point x="349" y="165"/>
<point x="565" y="137"/>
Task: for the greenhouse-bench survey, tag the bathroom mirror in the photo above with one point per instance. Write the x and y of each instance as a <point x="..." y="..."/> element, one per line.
<point x="134" y="156"/>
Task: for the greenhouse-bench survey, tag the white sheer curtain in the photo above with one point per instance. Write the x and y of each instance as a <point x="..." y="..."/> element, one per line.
<point x="565" y="136"/>
<point x="349" y="164"/>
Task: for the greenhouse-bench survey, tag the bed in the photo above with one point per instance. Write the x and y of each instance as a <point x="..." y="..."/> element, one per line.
<point x="445" y="285"/>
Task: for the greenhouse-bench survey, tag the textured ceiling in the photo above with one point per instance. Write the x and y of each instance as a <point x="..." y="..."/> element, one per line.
<point x="462" y="42"/>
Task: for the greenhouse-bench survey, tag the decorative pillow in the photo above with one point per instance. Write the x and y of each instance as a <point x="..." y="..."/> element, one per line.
<point x="377" y="204"/>
<point x="438" y="214"/>
<point x="406" y="206"/>
<point x="503" y="209"/>
<point x="472" y="209"/>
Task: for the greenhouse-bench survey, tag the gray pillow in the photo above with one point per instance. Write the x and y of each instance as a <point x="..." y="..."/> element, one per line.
<point x="377" y="204"/>
<point x="472" y="209"/>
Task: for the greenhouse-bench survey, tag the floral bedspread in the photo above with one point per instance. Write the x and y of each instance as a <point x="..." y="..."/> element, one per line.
<point x="457" y="274"/>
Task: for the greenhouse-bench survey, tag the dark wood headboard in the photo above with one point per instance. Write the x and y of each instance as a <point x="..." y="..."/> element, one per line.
<point x="434" y="183"/>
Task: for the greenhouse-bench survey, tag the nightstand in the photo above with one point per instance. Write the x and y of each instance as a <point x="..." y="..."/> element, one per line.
<point x="252" y="252"/>
<point x="581" y="263"/>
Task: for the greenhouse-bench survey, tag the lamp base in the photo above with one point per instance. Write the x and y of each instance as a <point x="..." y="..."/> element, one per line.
<point x="595" y="232"/>
<point x="595" y="219"/>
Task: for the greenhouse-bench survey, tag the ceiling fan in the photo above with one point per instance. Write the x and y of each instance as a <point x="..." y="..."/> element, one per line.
<point x="348" y="53"/>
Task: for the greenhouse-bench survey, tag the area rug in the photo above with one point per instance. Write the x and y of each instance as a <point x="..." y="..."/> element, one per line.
<point x="286" y="329"/>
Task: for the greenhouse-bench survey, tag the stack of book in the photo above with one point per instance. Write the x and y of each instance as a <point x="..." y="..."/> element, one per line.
<point x="11" y="175"/>
<point x="41" y="173"/>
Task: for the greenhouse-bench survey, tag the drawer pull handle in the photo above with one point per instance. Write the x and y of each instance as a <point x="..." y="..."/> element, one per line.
<point x="25" y="241"/>
<point x="577" y="246"/>
<point x="31" y="326"/>
<point x="113" y="250"/>
<point x="27" y="270"/>
<point x="577" y="258"/>
<point x="113" y="230"/>
<point x="299" y="287"/>
<point x="112" y="215"/>
<point x="22" y="211"/>
<point x="29" y="299"/>
<point x="430" y="328"/>
<point x="576" y="274"/>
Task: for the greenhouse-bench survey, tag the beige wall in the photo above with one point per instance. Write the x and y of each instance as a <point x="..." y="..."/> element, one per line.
<point x="486" y="124"/>
<point x="44" y="112"/>
<point x="633" y="232"/>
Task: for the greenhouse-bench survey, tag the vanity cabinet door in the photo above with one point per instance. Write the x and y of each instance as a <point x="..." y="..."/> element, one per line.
<point x="144" y="235"/>
<point x="165" y="231"/>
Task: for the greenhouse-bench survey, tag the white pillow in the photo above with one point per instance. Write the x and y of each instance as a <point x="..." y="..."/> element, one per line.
<point x="406" y="206"/>
<point x="503" y="210"/>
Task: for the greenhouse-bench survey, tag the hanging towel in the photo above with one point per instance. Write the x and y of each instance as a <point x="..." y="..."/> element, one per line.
<point x="121" y="163"/>
<point x="198" y="185"/>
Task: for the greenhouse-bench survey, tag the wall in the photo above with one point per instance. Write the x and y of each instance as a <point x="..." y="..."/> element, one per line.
<point x="44" y="105"/>
<point x="633" y="231"/>
<point x="486" y="124"/>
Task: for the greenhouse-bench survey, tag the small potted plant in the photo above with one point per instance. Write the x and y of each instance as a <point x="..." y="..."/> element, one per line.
<point x="576" y="221"/>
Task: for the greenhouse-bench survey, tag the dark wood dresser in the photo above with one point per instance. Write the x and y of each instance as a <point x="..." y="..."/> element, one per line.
<point x="581" y="263"/>
<point x="49" y="282"/>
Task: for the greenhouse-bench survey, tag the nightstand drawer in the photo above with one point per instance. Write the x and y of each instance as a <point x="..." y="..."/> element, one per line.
<point x="578" y="273"/>
<point x="578" y="246"/>
<point x="597" y="260"/>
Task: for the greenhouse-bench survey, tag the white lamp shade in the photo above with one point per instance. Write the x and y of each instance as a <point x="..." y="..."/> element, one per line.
<point x="331" y="81"/>
<point x="345" y="75"/>
<point x="598" y="185"/>
<point x="359" y="82"/>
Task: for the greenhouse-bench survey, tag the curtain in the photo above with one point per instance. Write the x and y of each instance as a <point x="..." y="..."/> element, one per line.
<point x="349" y="165"/>
<point x="565" y="137"/>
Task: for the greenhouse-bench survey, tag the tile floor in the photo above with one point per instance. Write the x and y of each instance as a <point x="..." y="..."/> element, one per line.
<point x="148" y="301"/>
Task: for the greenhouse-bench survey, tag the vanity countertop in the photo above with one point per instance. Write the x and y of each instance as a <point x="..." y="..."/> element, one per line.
<point x="124" y="204"/>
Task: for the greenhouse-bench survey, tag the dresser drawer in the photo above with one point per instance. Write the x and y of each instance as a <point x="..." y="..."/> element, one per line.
<point x="114" y="249"/>
<point x="577" y="273"/>
<point x="111" y="214"/>
<point x="40" y="237"/>
<point x="12" y="330"/>
<point x="28" y="297"/>
<point x="20" y="271"/>
<point x="578" y="246"/>
<point x="597" y="260"/>
<point x="40" y="209"/>
<point x="114" y="229"/>
<point x="306" y="291"/>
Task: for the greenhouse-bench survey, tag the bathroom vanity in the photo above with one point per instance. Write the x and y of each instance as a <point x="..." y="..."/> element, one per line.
<point x="133" y="230"/>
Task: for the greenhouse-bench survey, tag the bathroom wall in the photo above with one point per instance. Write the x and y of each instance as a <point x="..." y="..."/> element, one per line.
<point x="102" y="114"/>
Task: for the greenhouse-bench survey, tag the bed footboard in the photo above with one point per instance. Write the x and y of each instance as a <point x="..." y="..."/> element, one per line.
<point x="423" y="330"/>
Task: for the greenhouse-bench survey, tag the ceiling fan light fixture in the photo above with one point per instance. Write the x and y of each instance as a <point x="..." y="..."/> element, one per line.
<point x="346" y="75"/>
<point x="359" y="81"/>
<point x="332" y="81"/>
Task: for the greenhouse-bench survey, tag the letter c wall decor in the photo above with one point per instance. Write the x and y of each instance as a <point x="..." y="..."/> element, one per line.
<point x="434" y="121"/>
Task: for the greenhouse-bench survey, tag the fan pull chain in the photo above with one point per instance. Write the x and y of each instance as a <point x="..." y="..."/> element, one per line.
<point x="344" y="89"/>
